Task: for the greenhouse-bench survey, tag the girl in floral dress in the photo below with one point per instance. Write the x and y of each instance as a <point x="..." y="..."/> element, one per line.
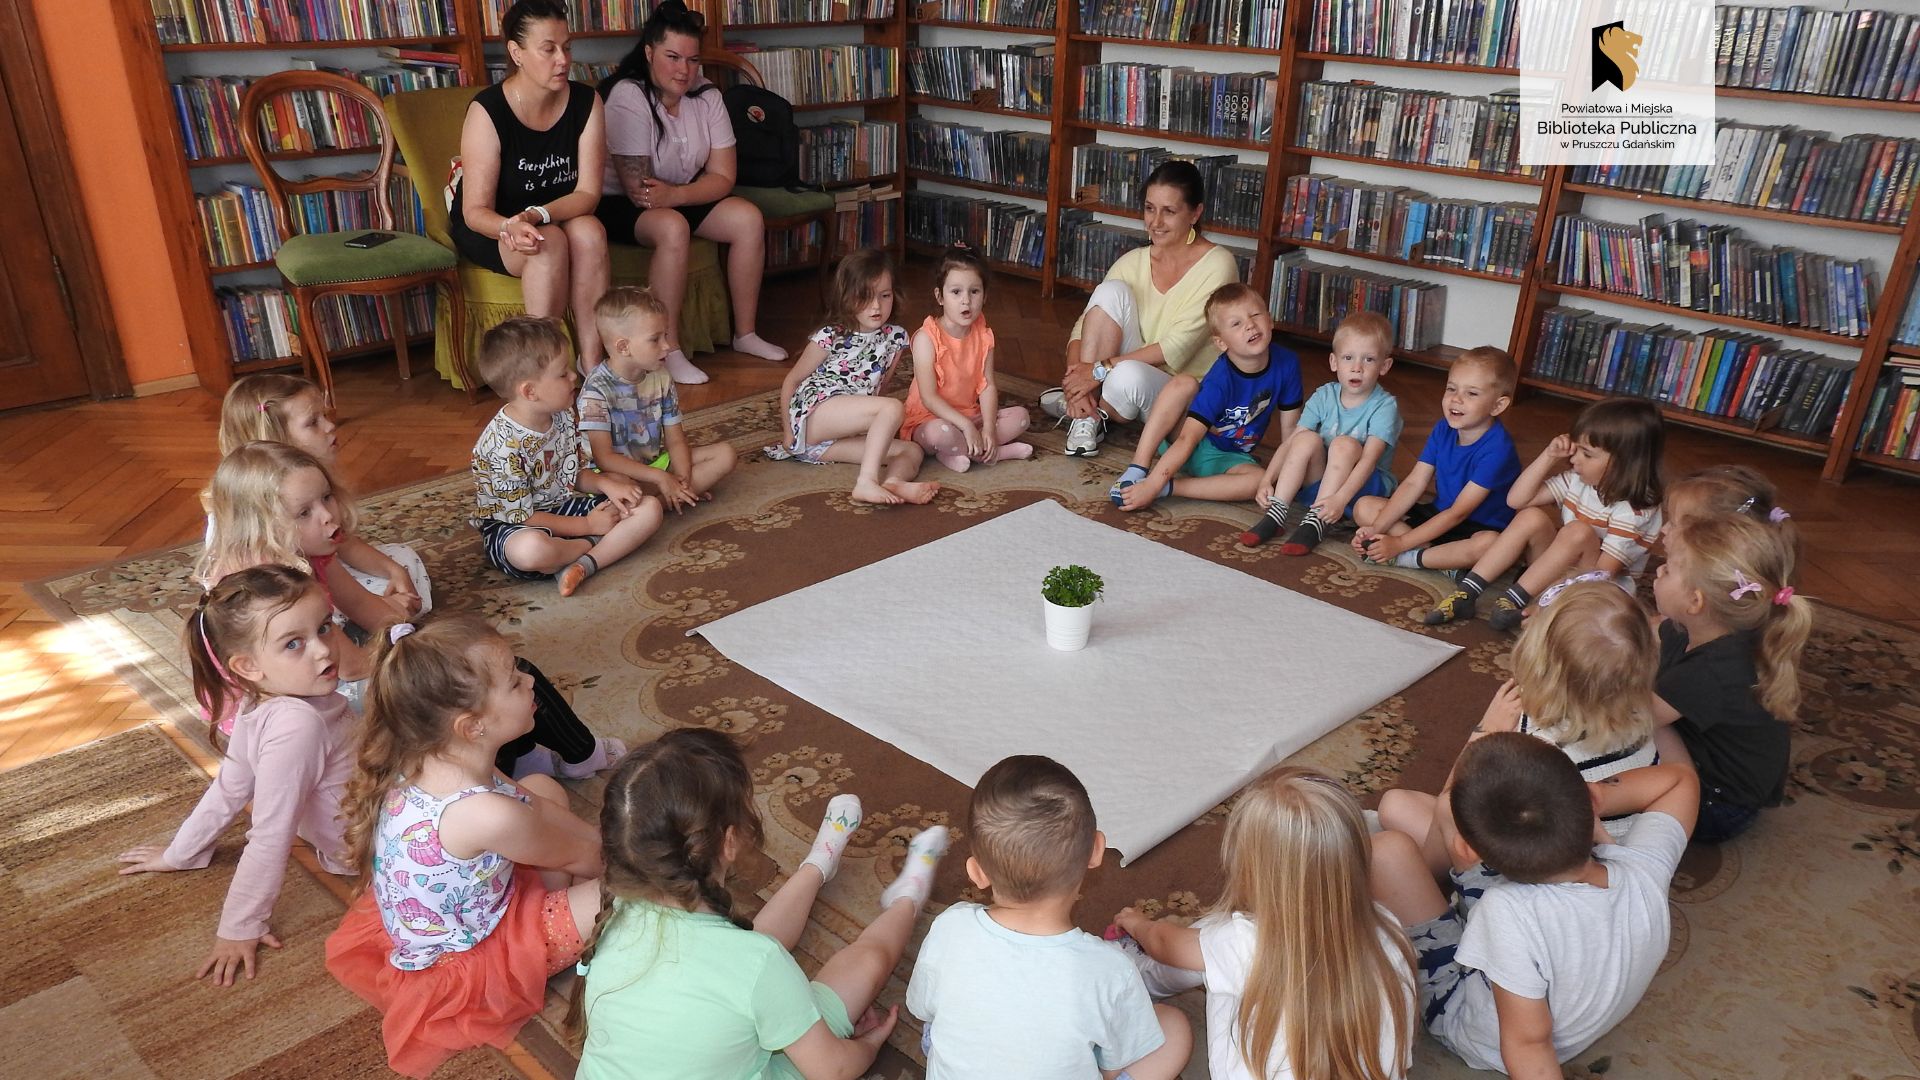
<point x="835" y="411"/>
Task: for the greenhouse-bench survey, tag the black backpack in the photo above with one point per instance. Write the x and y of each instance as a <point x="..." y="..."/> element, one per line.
<point x="765" y="138"/>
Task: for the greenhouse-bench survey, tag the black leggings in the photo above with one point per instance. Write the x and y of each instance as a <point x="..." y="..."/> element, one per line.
<point x="555" y="726"/>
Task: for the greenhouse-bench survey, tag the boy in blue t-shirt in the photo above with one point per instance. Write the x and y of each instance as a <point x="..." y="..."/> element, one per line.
<point x="1220" y="418"/>
<point x="1469" y="461"/>
<point x="1346" y="437"/>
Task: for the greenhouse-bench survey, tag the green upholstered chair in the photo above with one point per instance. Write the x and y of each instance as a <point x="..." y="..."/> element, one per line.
<point x="427" y="123"/>
<point x="781" y="208"/>
<point x="317" y="265"/>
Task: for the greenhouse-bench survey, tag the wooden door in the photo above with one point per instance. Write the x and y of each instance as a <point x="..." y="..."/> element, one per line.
<point x="39" y="343"/>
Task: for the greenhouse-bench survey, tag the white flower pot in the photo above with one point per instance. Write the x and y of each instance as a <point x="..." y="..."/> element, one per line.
<point x="1067" y="626"/>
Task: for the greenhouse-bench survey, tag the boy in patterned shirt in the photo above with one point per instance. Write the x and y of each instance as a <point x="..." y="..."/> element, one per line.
<point x="539" y="514"/>
<point x="628" y="410"/>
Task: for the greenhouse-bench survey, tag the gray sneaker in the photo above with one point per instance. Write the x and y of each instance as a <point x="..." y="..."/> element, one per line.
<point x="1054" y="403"/>
<point x="1084" y="435"/>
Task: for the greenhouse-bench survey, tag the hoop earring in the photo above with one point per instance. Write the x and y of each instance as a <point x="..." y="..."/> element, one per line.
<point x="1192" y="235"/>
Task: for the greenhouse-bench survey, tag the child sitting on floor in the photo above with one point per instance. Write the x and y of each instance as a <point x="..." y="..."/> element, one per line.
<point x="1731" y="637"/>
<point x="953" y="386"/>
<point x="474" y="897"/>
<point x="1590" y="501"/>
<point x="1220" y="418"/>
<point x="832" y="400"/>
<point x="263" y="639"/>
<point x="1469" y="462"/>
<point x="674" y="984"/>
<point x="1015" y="988"/>
<point x="1306" y="976"/>
<point x="1532" y="964"/>
<point x="373" y="585"/>
<point x="630" y="413"/>
<point x="1344" y="445"/>
<point x="540" y="514"/>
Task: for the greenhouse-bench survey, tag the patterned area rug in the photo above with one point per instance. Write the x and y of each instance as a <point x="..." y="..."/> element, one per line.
<point x="1796" y="950"/>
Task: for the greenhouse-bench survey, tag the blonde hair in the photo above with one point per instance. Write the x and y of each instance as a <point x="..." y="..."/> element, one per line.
<point x="250" y="525"/>
<point x="1585" y="668"/>
<point x="420" y="682"/>
<point x="1369" y="324"/>
<point x="1233" y="292"/>
<point x="1725" y="556"/>
<point x="1323" y="986"/>
<point x="517" y="350"/>
<point x="229" y="619"/>
<point x="1496" y="363"/>
<point x="256" y="407"/>
<point x="624" y="302"/>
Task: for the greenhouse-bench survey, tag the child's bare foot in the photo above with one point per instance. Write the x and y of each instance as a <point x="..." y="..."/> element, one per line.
<point x="918" y="492"/>
<point x="867" y="491"/>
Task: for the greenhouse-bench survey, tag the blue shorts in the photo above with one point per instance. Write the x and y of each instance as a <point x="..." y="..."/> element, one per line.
<point x="1437" y="940"/>
<point x="1380" y="484"/>
<point x="493" y="534"/>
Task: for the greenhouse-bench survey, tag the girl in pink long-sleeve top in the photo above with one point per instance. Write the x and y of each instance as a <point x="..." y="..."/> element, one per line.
<point x="264" y="637"/>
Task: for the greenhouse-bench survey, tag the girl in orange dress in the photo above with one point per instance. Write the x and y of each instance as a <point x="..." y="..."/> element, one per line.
<point x="953" y="409"/>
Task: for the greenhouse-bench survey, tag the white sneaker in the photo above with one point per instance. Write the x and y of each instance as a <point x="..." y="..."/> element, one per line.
<point x="1084" y="435"/>
<point x="1054" y="403"/>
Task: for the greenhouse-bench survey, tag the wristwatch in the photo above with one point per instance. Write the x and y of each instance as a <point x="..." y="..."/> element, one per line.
<point x="1101" y="371"/>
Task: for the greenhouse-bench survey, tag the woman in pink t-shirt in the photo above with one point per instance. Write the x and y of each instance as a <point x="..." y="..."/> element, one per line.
<point x="659" y="107"/>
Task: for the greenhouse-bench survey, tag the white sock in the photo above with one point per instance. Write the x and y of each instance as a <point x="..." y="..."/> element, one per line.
<point x="916" y="876"/>
<point x="538" y="761"/>
<point x="682" y="369"/>
<point x="607" y="752"/>
<point x="842" y="817"/>
<point x="755" y="345"/>
<point x="1409" y="558"/>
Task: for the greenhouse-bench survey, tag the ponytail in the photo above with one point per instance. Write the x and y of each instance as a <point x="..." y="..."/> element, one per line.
<point x="1782" y="642"/>
<point x="230" y="618"/>
<point x="1744" y="567"/>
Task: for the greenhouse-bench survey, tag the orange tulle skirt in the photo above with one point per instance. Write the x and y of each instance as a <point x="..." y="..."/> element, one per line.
<point x="480" y="997"/>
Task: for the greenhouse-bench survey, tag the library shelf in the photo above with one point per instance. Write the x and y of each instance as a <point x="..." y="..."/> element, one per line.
<point x="1632" y="195"/>
<point x="1807" y="333"/>
<point x="1169" y="135"/>
<point x="968" y="106"/>
<point x="986" y="27"/>
<point x="1420" y="166"/>
<point x="1440" y="268"/>
<point x="272" y="363"/>
<point x="920" y="247"/>
<point x="353" y="43"/>
<point x="859" y="104"/>
<point x="1387" y="61"/>
<point x="1440" y="356"/>
<point x="586" y="35"/>
<point x="285" y="155"/>
<point x="856" y="181"/>
<point x="1247" y="231"/>
<point x="977" y="185"/>
<point x="1816" y="99"/>
<point x="241" y="268"/>
<point x="801" y="24"/>
<point x="1887" y="461"/>
<point x="1075" y="283"/>
<point x="1184" y="46"/>
<point x="1908" y="352"/>
<point x="1725" y="425"/>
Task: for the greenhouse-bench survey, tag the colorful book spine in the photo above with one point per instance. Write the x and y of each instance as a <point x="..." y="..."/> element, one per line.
<point x="1314" y="297"/>
<point x="1010" y="159"/>
<point x="1004" y="232"/>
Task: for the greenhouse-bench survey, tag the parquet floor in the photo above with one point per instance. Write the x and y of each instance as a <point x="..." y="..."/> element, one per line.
<point x="92" y="483"/>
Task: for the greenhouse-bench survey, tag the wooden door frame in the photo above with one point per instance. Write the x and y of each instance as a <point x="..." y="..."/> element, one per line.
<point x="37" y="114"/>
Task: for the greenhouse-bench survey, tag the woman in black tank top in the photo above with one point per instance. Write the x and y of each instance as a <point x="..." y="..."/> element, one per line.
<point x="532" y="154"/>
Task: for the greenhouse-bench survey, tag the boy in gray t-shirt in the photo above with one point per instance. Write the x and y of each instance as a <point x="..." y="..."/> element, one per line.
<point x="1533" y="964"/>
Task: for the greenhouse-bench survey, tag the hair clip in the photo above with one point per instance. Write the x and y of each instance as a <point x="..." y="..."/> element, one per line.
<point x="1777" y="515"/>
<point x="266" y="406"/>
<point x="1743" y="587"/>
<point x="1547" y="598"/>
<point x="1745" y="507"/>
<point x="1785" y="594"/>
<point x="397" y="631"/>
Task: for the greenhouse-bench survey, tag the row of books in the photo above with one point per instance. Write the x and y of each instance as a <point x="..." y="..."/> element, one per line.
<point x="1741" y="376"/>
<point x="1116" y="176"/>
<point x="1858" y="177"/>
<point x="1223" y="106"/>
<point x="208" y="108"/>
<point x="797" y="246"/>
<point x="1014" y="159"/>
<point x="197" y="22"/>
<point x="847" y="149"/>
<point x="1001" y="231"/>
<point x="866" y="216"/>
<point x="1908" y="332"/>
<point x="1020" y="77"/>
<point x="1250" y="23"/>
<point x="1713" y="269"/>
<point x="1316" y="296"/>
<point x="1419" y="126"/>
<point x="1891" y="424"/>
<point x="1087" y="246"/>
<point x="752" y="12"/>
<point x="262" y="323"/>
<point x="1034" y="14"/>
<point x="824" y="74"/>
<point x="237" y="226"/>
<point x="1861" y="53"/>
<point x="1479" y="32"/>
<point x="1402" y="223"/>
<point x="581" y="15"/>
<point x="580" y="71"/>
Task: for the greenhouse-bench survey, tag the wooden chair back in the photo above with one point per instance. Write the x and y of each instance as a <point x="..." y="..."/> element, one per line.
<point x="259" y="98"/>
<point x="735" y="68"/>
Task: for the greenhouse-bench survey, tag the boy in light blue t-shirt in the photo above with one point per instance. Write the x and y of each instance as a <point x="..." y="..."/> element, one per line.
<point x="1015" y="988"/>
<point x="1344" y="442"/>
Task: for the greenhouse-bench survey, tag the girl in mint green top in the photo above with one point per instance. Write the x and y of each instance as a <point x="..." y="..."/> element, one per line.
<point x="674" y="984"/>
